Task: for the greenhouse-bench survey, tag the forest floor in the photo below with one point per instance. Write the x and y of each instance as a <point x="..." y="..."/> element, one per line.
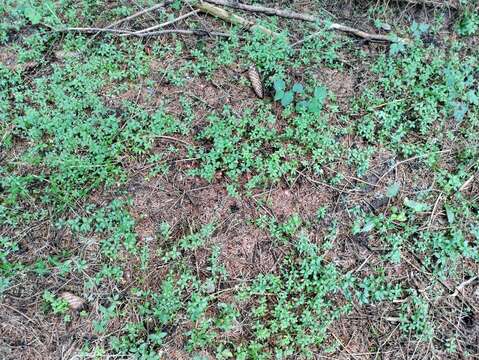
<point x="155" y="205"/>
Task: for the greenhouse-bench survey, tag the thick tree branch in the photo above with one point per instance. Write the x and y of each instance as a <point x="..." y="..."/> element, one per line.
<point x="305" y="17"/>
<point x="231" y="18"/>
<point x="265" y="10"/>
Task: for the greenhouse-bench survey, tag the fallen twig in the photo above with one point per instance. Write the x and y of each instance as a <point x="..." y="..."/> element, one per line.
<point x="462" y="285"/>
<point x="444" y="285"/>
<point x="231" y="18"/>
<point x="167" y="23"/>
<point x="466" y="184"/>
<point x="152" y="33"/>
<point x="447" y="4"/>
<point x="171" y="138"/>
<point x="436" y="203"/>
<point x="18" y="312"/>
<point x="184" y="32"/>
<point x="392" y="319"/>
<point x="363" y="34"/>
<point x="321" y="183"/>
<point x="408" y="160"/>
<point x="306" y="38"/>
<point x="94" y="30"/>
<point x="306" y="17"/>
<point x="265" y="10"/>
<point x="139" y="13"/>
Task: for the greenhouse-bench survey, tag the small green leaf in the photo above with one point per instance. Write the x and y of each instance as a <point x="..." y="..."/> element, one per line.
<point x="475" y="231"/>
<point x="460" y="111"/>
<point x="424" y="27"/>
<point x="302" y="105"/>
<point x="396" y="48"/>
<point x="416" y="206"/>
<point x="393" y="190"/>
<point x="176" y="5"/>
<point x="367" y="227"/>
<point x="287" y="98"/>
<point x="298" y="88"/>
<point x="320" y="93"/>
<point x="468" y="24"/>
<point x="450" y="214"/>
<point x="418" y="29"/>
<point x="33" y="15"/>
<point x="401" y="217"/>
<point x="278" y="94"/>
<point x="279" y="84"/>
<point x="315" y="106"/>
<point x="472" y="97"/>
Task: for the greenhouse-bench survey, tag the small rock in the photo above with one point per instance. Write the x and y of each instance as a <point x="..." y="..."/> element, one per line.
<point x="386" y="27"/>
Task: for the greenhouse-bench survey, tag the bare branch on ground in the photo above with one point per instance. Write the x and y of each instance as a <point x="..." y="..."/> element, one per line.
<point x="231" y="18"/>
<point x="306" y="17"/>
<point x="167" y="23"/>
<point x="139" y="13"/>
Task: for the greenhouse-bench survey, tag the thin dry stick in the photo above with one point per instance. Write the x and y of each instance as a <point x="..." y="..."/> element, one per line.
<point x="139" y="13"/>
<point x="363" y="263"/>
<point x="462" y="285"/>
<point x="18" y="312"/>
<point x="232" y="18"/>
<point x="408" y="160"/>
<point x="433" y="213"/>
<point x="153" y="33"/>
<point x="306" y="38"/>
<point x="305" y="17"/>
<point x="135" y="15"/>
<point x="184" y="32"/>
<point x="167" y="23"/>
<point x="362" y="34"/>
<point x="320" y="182"/>
<point x="432" y="3"/>
<point x="171" y="138"/>
<point x="444" y="285"/>
<point x="200" y="19"/>
<point x="94" y="30"/>
<point x="466" y="184"/>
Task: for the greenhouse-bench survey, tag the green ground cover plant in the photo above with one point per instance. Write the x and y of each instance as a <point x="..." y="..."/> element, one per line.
<point x="337" y="216"/>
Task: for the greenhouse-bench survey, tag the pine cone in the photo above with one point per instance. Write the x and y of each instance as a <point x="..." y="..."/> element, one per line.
<point x="255" y="81"/>
<point x="75" y="302"/>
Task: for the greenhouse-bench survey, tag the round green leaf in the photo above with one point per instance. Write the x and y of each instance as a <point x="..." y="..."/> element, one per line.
<point x="298" y="88"/>
<point x="320" y="93"/>
<point x="278" y="94"/>
<point x="393" y="190"/>
<point x="315" y="106"/>
<point x="279" y="84"/>
<point x="33" y="15"/>
<point x="287" y="98"/>
<point x="302" y="105"/>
